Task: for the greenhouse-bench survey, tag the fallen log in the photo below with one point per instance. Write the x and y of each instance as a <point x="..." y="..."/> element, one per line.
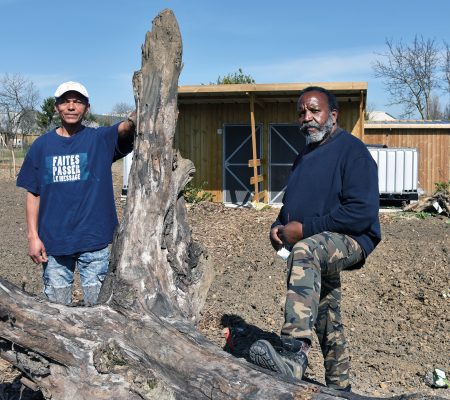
<point x="438" y="203"/>
<point x="141" y="341"/>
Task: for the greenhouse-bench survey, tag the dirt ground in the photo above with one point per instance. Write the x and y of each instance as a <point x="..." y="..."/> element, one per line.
<point x="395" y="309"/>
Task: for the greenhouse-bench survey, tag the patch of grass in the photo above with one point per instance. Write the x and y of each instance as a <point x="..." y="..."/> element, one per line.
<point x="422" y="215"/>
<point x="152" y="383"/>
<point x="195" y="194"/>
<point x="442" y="187"/>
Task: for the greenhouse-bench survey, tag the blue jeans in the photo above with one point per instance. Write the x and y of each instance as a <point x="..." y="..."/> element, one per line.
<point x="59" y="270"/>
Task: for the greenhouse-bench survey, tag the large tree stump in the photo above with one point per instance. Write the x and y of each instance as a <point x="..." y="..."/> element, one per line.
<point x="156" y="268"/>
<point x="141" y="341"/>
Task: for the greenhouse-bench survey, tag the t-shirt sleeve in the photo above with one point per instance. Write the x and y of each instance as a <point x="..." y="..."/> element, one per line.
<point x="28" y="177"/>
<point x="124" y="146"/>
<point x="110" y="136"/>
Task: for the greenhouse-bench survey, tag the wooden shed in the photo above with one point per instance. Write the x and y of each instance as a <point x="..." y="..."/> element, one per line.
<point x="430" y="138"/>
<point x="243" y="138"/>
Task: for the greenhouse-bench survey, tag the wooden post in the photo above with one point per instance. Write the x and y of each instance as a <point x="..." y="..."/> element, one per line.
<point x="254" y="154"/>
<point x="255" y="162"/>
<point x="361" y="115"/>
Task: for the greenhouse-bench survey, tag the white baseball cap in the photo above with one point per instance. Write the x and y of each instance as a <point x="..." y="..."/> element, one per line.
<point x="71" y="86"/>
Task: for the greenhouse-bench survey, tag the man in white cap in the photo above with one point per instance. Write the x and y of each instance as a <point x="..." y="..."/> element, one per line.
<point x="70" y="209"/>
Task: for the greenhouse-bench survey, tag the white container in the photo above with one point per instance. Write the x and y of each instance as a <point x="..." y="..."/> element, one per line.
<point x="127" y="160"/>
<point x="397" y="171"/>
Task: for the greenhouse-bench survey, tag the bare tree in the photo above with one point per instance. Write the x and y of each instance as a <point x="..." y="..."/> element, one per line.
<point x="122" y="109"/>
<point x="446" y="66"/>
<point x="18" y="98"/>
<point x="369" y="109"/>
<point x="434" y="109"/>
<point x="446" y="112"/>
<point x="410" y="73"/>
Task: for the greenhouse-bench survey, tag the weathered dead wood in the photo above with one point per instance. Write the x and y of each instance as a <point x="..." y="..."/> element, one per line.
<point x="100" y="353"/>
<point x="156" y="267"/>
<point x="438" y="203"/>
<point x="141" y="342"/>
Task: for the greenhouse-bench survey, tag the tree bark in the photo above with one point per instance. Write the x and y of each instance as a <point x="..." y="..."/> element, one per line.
<point x="141" y="341"/>
<point x="155" y="265"/>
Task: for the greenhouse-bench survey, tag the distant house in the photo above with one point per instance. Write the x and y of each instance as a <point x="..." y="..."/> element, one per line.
<point x="108" y="119"/>
<point x="377" y="116"/>
<point x="15" y="127"/>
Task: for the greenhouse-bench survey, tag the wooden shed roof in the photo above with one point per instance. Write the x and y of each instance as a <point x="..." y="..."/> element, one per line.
<point x="271" y="92"/>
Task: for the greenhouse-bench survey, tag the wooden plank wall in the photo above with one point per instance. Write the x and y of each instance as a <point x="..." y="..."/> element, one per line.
<point x="433" y="146"/>
<point x="350" y="119"/>
<point x="198" y="140"/>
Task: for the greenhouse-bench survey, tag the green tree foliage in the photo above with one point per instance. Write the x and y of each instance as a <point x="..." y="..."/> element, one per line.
<point x="47" y="118"/>
<point x="89" y="117"/>
<point x="235" y="77"/>
<point x="104" y="120"/>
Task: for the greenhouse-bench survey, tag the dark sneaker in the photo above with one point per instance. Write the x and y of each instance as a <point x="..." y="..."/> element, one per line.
<point x="286" y="363"/>
<point x="345" y="389"/>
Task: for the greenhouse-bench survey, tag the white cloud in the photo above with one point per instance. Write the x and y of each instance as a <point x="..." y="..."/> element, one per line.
<point x="333" y="66"/>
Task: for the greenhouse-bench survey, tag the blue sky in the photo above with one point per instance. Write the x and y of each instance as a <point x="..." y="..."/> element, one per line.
<point x="98" y="42"/>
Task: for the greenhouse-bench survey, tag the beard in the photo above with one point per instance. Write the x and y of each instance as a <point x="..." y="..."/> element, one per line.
<point x="320" y="133"/>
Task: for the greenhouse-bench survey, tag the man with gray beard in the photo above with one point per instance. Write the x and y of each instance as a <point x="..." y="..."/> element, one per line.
<point x="329" y="223"/>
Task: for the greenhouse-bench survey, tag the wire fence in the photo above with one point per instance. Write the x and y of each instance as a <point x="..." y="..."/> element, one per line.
<point x="11" y="160"/>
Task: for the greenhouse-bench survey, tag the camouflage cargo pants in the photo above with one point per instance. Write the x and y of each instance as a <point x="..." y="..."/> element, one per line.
<point x="314" y="295"/>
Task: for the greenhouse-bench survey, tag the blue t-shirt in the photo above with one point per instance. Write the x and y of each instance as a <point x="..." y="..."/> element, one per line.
<point x="334" y="187"/>
<point x="72" y="176"/>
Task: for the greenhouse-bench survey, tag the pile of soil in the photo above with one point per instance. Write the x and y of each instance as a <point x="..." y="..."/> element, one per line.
<point x="395" y="309"/>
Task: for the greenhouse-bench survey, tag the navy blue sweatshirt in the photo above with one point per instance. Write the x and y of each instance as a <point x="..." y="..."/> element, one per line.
<point x="334" y="187"/>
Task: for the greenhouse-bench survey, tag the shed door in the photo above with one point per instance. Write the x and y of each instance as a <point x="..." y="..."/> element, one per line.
<point x="237" y="142"/>
<point x="285" y="142"/>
